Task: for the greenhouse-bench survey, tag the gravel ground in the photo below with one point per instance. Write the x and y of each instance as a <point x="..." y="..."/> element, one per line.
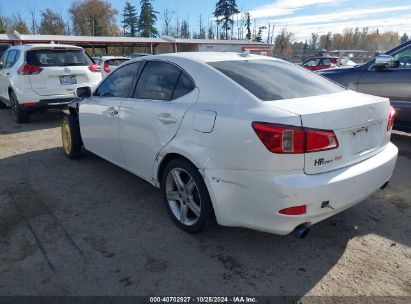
<point x="87" y="227"/>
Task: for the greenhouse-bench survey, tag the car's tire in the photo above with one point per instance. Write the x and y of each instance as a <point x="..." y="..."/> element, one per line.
<point x="186" y="196"/>
<point x="71" y="137"/>
<point x="2" y="105"/>
<point x="19" y="115"/>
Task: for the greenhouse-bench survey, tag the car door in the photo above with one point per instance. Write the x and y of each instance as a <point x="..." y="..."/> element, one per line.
<point x="151" y="119"/>
<point x="4" y="73"/>
<point x="394" y="83"/>
<point x="99" y="115"/>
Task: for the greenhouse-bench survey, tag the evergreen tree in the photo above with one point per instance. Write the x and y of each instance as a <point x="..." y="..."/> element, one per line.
<point x="248" y="26"/>
<point x="210" y="33"/>
<point x="259" y="37"/>
<point x="202" y="34"/>
<point x="185" y="30"/>
<point x="130" y="20"/>
<point x="404" y="38"/>
<point x="147" y="20"/>
<point x="224" y="11"/>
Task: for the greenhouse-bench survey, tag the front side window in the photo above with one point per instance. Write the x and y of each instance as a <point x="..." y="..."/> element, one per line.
<point x="403" y="58"/>
<point x="4" y="60"/>
<point x="157" y="81"/>
<point x="53" y="57"/>
<point x="326" y="62"/>
<point x="119" y="82"/>
<point x="275" y="79"/>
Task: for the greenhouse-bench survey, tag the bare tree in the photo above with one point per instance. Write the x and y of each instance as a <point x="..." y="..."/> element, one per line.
<point x="167" y="17"/>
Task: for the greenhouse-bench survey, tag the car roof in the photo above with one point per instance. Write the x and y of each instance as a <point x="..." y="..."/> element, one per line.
<point x="45" y="46"/>
<point x="112" y="57"/>
<point x="210" y="56"/>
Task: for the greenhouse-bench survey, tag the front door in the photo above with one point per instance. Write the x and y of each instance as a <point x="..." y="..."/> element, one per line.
<point x="393" y="83"/>
<point x="150" y="119"/>
<point x="100" y="115"/>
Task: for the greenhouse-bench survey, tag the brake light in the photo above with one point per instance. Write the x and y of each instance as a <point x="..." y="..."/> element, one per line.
<point x="29" y="104"/>
<point x="294" y="140"/>
<point x="106" y="68"/>
<point x="391" y="118"/>
<point x="296" y="210"/>
<point x="94" y="68"/>
<point x="28" y="69"/>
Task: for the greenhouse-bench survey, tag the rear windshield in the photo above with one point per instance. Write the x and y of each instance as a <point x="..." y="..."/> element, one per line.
<point x="50" y="58"/>
<point x="276" y="79"/>
<point x="115" y="62"/>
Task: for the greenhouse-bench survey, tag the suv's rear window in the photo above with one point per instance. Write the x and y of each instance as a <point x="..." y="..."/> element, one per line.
<point x="275" y="79"/>
<point x="116" y="62"/>
<point x="50" y="58"/>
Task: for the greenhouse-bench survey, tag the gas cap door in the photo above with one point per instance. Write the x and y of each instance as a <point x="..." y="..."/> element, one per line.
<point x="203" y="121"/>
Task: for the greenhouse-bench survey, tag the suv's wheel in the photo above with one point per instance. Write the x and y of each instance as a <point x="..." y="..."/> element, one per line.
<point x="186" y="196"/>
<point x="19" y="115"/>
<point x="70" y="133"/>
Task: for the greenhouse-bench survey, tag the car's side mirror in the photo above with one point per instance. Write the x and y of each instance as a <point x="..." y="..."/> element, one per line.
<point x="83" y="92"/>
<point x="384" y="61"/>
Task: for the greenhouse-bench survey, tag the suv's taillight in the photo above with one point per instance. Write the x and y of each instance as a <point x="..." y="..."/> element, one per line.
<point x="106" y="68"/>
<point x="28" y="69"/>
<point x="94" y="68"/>
<point x="294" y="140"/>
<point x="391" y="118"/>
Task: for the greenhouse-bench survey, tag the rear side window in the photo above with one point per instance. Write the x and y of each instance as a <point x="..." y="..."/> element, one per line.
<point x="157" y="81"/>
<point x="184" y="86"/>
<point x="50" y="58"/>
<point x="276" y="79"/>
<point x="119" y="82"/>
<point x="115" y="62"/>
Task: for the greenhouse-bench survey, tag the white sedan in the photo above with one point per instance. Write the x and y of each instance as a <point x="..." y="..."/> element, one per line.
<point x="255" y="141"/>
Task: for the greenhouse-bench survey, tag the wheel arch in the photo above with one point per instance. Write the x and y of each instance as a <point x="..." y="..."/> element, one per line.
<point x="175" y="155"/>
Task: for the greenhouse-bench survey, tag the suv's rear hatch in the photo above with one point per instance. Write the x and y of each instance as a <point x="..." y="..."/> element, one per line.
<point x="62" y="70"/>
<point x="359" y="122"/>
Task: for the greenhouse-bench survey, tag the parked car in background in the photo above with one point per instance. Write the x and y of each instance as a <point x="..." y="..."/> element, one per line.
<point x="44" y="76"/>
<point x="136" y="55"/>
<point x="257" y="141"/>
<point x="326" y="62"/>
<point x="387" y="75"/>
<point x="109" y="63"/>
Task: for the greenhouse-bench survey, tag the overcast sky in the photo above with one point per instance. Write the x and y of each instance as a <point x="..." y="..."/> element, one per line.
<point x="299" y="16"/>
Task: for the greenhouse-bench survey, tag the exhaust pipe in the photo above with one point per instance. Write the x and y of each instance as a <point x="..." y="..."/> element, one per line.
<point x="301" y="231"/>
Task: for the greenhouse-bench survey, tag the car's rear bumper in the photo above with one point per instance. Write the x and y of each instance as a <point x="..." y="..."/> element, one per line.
<point x="253" y="199"/>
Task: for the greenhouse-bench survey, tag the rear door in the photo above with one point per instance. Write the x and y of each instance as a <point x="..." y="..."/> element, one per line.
<point x="4" y="78"/>
<point x="63" y="70"/>
<point x="152" y="117"/>
<point x="99" y="115"/>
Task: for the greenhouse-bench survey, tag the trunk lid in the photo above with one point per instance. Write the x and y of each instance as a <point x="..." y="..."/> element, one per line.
<point x="359" y="122"/>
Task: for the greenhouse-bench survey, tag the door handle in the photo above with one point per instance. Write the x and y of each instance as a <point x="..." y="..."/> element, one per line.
<point x="112" y="111"/>
<point x="166" y="118"/>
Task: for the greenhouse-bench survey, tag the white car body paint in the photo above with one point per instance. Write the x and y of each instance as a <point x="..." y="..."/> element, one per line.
<point x="248" y="184"/>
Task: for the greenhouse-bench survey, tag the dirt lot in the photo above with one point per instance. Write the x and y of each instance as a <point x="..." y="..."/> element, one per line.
<point x="87" y="227"/>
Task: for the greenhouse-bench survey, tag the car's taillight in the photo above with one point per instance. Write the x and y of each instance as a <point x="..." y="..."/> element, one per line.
<point x="94" y="68"/>
<point x="296" y="210"/>
<point x="106" y="68"/>
<point x="294" y="140"/>
<point x="28" y="69"/>
<point x="391" y="118"/>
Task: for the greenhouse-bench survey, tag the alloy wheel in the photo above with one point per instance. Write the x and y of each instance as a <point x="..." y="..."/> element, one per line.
<point x="183" y="196"/>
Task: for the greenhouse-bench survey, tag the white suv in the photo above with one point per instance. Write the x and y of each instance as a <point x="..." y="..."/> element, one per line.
<point x="44" y="76"/>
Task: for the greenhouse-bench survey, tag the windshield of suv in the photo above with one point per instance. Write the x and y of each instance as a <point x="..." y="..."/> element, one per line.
<point x="276" y="79"/>
<point x="50" y="58"/>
